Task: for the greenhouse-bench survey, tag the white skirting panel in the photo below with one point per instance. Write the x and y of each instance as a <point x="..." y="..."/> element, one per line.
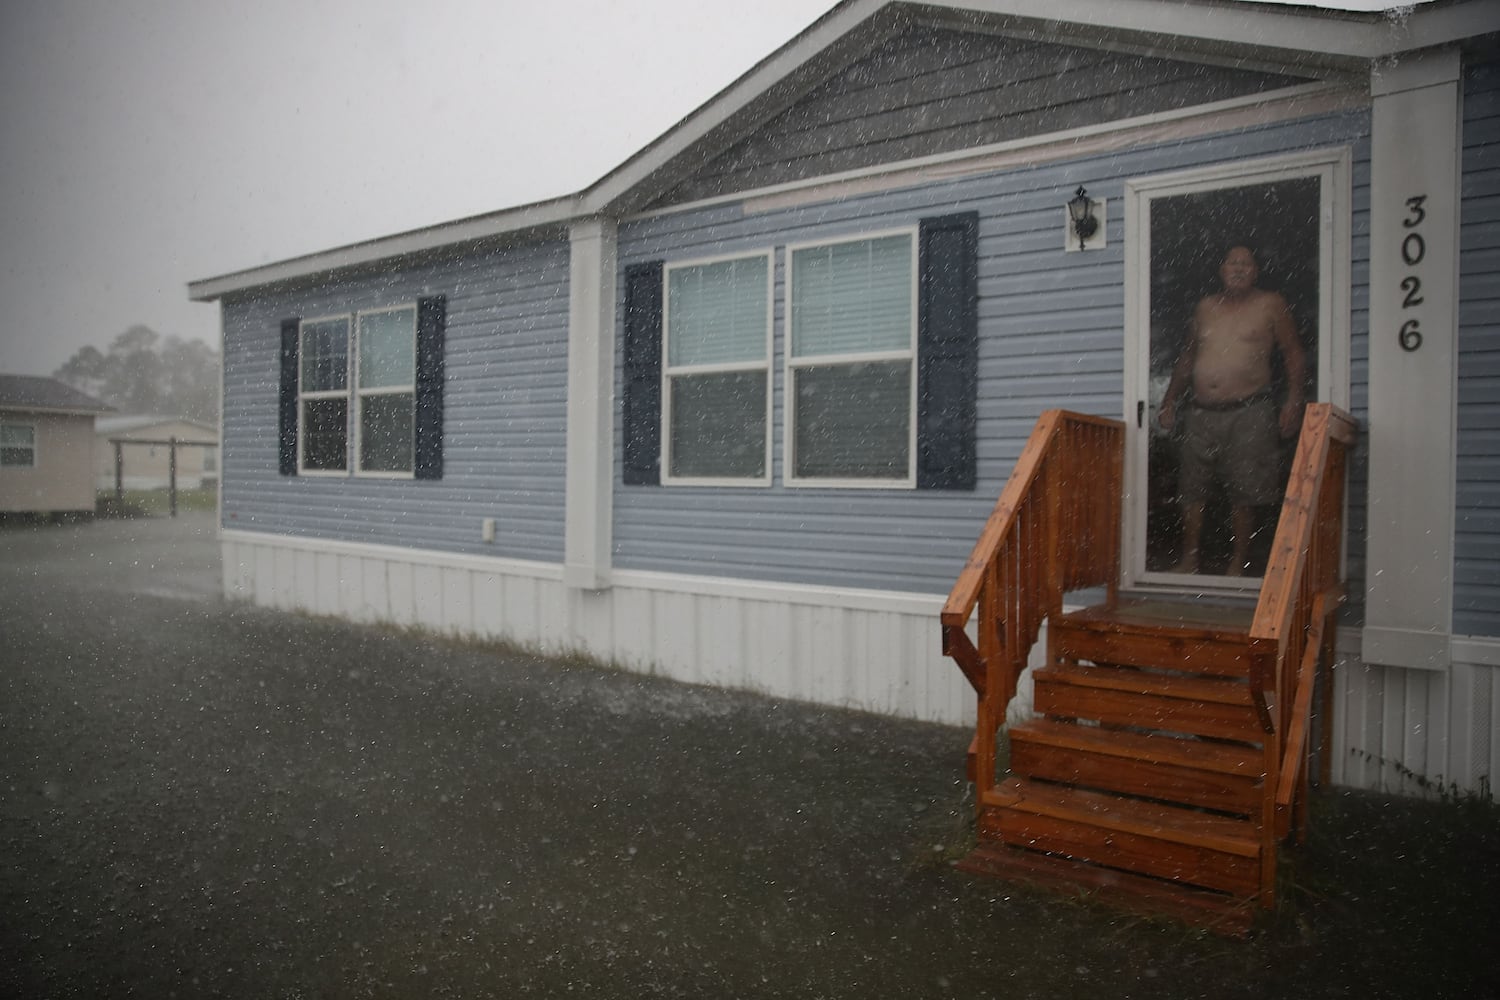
<point x="869" y="650"/>
<point x="1393" y="723"/>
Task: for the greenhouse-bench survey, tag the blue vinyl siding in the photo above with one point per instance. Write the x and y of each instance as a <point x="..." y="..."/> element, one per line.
<point x="1476" y="571"/>
<point x="505" y="401"/>
<point x="1050" y="335"/>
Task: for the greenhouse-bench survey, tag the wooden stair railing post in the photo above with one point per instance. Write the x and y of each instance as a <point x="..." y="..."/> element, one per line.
<point x="1293" y="623"/>
<point x="1027" y="555"/>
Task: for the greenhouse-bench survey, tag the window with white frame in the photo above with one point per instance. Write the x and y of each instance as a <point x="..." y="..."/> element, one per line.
<point x="716" y="376"/>
<point x="323" y="395"/>
<point x="17" y="446"/>
<point x="385" y="393"/>
<point x="377" y="404"/>
<point x="851" y="360"/>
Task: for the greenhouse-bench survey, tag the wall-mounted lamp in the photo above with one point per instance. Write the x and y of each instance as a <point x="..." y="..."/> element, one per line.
<point x="1081" y="211"/>
<point x="1085" y="222"/>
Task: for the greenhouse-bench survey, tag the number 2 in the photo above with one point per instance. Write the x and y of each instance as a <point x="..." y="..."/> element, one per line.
<point x="1413" y="285"/>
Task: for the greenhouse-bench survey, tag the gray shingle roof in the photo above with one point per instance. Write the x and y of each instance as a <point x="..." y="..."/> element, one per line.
<point x="35" y="392"/>
<point x="124" y="424"/>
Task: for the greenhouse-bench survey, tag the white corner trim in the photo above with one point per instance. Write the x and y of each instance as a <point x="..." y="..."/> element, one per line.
<point x="1411" y="419"/>
<point x="1410" y="648"/>
<point x="396" y="553"/>
<point x="589" y="502"/>
<point x="1431" y="69"/>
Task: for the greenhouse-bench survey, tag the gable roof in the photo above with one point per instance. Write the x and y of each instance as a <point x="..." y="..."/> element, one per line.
<point x="1274" y="38"/>
<point x="135" y="422"/>
<point x="41" y="394"/>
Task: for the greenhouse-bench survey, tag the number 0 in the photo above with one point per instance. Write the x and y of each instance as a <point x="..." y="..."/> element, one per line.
<point x="1413" y="249"/>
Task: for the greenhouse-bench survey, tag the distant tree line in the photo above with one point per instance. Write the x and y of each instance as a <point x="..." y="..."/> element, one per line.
<point x="143" y="372"/>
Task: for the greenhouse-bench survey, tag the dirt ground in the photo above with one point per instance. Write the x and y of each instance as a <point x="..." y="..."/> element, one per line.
<point x="200" y="799"/>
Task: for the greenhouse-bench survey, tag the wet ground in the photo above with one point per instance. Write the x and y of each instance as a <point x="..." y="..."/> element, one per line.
<point x="200" y="799"/>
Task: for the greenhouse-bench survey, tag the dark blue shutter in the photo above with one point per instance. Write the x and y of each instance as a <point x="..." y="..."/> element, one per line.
<point x="286" y="437"/>
<point x="948" y="352"/>
<point x="642" y="376"/>
<point x="432" y="322"/>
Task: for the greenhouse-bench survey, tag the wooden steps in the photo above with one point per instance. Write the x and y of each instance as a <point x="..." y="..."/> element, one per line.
<point x="1168" y="842"/>
<point x="1144" y="699"/>
<point x="1145" y="774"/>
<point x="1225" y="777"/>
<point x="1214" y="911"/>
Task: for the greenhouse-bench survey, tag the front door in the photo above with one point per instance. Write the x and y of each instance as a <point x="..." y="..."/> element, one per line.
<point x="1203" y="494"/>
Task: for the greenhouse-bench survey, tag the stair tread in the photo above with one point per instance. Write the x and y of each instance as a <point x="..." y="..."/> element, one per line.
<point x="1204" y="755"/>
<point x="1179" y="618"/>
<point x="1127" y="815"/>
<point x="1215" y="911"/>
<point x="1166" y="684"/>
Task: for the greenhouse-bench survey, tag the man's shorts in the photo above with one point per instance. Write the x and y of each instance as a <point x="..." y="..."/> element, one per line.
<point x="1239" y="447"/>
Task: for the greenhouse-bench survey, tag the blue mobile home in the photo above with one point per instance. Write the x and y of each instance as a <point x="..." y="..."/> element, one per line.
<point x="737" y="413"/>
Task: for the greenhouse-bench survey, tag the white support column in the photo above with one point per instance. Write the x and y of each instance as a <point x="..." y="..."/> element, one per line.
<point x="590" y="456"/>
<point x="1414" y="209"/>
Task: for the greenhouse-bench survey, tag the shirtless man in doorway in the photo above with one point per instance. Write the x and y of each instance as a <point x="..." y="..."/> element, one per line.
<point x="1232" y="427"/>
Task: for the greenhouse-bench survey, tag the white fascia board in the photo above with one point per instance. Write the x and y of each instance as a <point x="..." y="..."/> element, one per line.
<point x="557" y="212"/>
<point x="1299" y="36"/>
<point x="1312" y="31"/>
<point x="1435" y="24"/>
<point x="49" y="411"/>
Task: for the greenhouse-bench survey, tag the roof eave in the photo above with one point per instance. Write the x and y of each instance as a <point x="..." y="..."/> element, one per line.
<point x="53" y="411"/>
<point x="1340" y="41"/>
<point x="538" y="216"/>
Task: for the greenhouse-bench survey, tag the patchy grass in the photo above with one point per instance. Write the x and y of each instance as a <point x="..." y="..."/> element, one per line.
<point x="154" y="503"/>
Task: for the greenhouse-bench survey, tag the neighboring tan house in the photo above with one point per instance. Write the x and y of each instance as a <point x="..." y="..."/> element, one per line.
<point x="147" y="466"/>
<point x="46" y="446"/>
<point x="737" y="412"/>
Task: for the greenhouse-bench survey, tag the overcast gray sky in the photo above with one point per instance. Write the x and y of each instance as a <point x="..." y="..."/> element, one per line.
<point x="147" y="143"/>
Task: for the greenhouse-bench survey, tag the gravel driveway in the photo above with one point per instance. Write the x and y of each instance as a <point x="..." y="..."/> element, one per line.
<point x="202" y="800"/>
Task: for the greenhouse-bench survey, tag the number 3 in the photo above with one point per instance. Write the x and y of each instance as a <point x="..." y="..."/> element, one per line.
<point x="1418" y="212"/>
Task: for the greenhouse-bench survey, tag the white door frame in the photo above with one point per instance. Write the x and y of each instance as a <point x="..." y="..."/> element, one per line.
<point x="1333" y="168"/>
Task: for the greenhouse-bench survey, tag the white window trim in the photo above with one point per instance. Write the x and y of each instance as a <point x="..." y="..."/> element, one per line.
<point x="1333" y="166"/>
<point x="303" y="395"/>
<point x="358" y="395"/>
<point x="668" y="371"/>
<point x="30" y="427"/>
<point x="790" y="366"/>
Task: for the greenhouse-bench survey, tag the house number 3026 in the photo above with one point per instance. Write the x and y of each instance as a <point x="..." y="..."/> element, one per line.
<point x="1413" y="251"/>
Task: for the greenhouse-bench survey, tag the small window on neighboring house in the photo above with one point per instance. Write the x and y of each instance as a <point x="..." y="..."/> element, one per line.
<point x="17" y="446"/>
<point x="851" y="360"/>
<point x="323" y="402"/>
<point x="385" y="397"/>
<point x="716" y="376"/>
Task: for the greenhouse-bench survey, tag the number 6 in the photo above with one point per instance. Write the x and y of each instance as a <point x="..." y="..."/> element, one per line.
<point x="1411" y="335"/>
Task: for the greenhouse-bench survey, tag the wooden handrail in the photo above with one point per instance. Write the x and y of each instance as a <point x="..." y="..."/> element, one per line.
<point x="1299" y="594"/>
<point x="1055" y="528"/>
<point x="965" y="593"/>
